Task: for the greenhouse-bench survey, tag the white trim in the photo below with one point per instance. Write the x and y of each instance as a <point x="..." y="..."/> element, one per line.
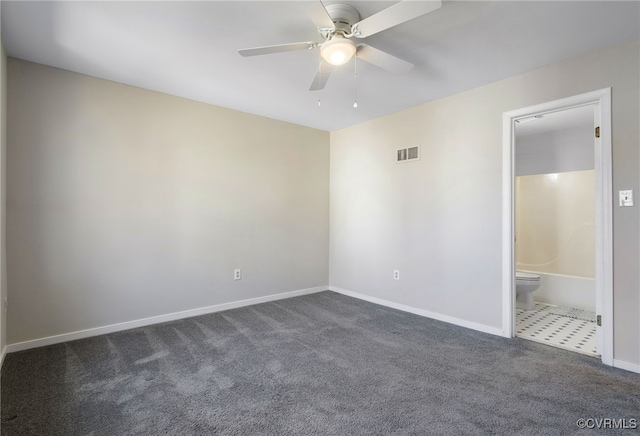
<point x="97" y="331"/>
<point x="3" y="354"/>
<point x="445" y="318"/>
<point x="604" y="203"/>
<point x="508" y="233"/>
<point x="604" y="207"/>
<point x="633" y="367"/>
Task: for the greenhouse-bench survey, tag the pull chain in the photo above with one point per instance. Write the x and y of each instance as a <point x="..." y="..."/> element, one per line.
<point x="320" y="76"/>
<point x="355" y="80"/>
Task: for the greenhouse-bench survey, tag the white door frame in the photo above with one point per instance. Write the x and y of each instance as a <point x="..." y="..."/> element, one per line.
<point x="601" y="99"/>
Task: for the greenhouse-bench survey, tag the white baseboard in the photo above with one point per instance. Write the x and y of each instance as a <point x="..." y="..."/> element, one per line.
<point x="621" y="364"/>
<point x="97" y="331"/>
<point x="633" y="367"/>
<point x="437" y="316"/>
<point x="3" y="353"/>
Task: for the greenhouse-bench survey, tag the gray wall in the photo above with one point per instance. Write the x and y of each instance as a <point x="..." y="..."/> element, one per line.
<point x="555" y="152"/>
<point x="439" y="219"/>
<point x="125" y="204"/>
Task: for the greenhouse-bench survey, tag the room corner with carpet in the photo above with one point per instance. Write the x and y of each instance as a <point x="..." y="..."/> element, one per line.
<point x="209" y="228"/>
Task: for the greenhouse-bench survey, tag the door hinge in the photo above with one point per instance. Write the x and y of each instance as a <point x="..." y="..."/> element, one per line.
<point x="599" y="320"/>
<point x="597" y="132"/>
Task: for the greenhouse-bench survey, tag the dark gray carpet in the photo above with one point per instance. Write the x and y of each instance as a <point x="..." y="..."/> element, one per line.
<point x="319" y="364"/>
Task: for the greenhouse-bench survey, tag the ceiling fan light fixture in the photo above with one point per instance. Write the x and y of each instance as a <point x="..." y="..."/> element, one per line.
<point x="338" y="51"/>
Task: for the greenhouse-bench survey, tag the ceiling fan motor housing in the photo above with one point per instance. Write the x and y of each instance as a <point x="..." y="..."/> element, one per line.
<point x="343" y="17"/>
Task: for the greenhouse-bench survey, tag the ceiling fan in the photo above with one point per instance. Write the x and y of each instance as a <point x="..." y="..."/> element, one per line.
<point x="338" y="24"/>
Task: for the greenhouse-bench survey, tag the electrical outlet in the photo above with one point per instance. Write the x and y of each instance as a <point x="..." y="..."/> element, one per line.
<point x="396" y="274"/>
<point x="237" y="274"/>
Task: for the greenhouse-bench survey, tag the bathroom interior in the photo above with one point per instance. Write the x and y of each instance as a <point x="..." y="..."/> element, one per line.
<point x="555" y="230"/>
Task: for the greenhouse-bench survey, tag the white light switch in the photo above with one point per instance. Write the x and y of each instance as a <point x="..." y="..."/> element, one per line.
<point x="626" y="198"/>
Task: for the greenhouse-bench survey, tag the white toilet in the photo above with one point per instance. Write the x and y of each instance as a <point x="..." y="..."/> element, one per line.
<point x="526" y="284"/>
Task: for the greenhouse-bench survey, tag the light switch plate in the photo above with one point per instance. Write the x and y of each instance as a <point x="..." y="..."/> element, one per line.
<point x="626" y="198"/>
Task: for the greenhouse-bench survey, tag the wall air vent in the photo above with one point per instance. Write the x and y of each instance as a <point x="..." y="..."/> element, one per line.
<point x="408" y="154"/>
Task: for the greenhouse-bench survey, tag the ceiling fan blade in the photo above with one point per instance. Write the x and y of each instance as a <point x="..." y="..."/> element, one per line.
<point x="319" y="15"/>
<point x="392" y="16"/>
<point x="383" y="60"/>
<point x="269" y="49"/>
<point x="322" y="76"/>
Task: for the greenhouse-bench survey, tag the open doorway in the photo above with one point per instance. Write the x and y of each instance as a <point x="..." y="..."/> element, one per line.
<point x="554" y="207"/>
<point x="547" y="257"/>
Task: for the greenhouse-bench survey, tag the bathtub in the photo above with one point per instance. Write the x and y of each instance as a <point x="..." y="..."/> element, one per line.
<point x="562" y="290"/>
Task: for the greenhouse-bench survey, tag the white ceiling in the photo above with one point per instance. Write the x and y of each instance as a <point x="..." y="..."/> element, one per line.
<point x="189" y="49"/>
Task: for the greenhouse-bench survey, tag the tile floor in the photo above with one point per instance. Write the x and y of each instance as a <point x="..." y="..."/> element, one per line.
<point x="546" y="324"/>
